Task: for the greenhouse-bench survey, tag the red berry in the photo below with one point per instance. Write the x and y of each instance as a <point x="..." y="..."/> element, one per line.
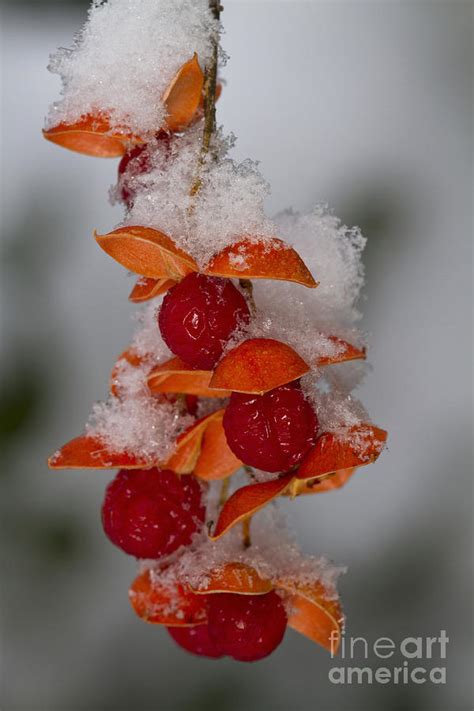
<point x="246" y="627"/>
<point x="271" y="432"/>
<point x="150" y="513"/>
<point x="196" y="640"/>
<point x="198" y="316"/>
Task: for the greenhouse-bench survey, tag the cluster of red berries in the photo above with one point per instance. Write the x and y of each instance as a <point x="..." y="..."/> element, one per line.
<point x="151" y="513"/>
<point x="154" y="514"/>
<point x="271" y="432"/>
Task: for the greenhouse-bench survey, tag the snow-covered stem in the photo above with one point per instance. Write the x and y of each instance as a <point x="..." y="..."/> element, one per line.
<point x="247" y="286"/>
<point x="210" y="88"/>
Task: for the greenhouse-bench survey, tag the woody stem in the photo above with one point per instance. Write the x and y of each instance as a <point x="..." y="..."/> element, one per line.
<point x="246" y="532"/>
<point x="247" y="286"/>
<point x="209" y="99"/>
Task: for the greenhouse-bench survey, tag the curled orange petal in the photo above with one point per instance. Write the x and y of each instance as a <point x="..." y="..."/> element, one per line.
<point x="314" y="614"/>
<point x="258" y="365"/>
<point x="166" y="605"/>
<point x="216" y="459"/>
<point x="346" y="351"/>
<point x="174" y="376"/>
<point x="147" y="288"/>
<point x="183" y="95"/>
<point x="361" y="445"/>
<point x="234" y="578"/>
<point x="248" y="500"/>
<point x="249" y="259"/>
<point x="148" y="252"/>
<point x="91" y="136"/>
<point x="326" y="482"/>
<point x="188" y="446"/>
<point x="91" y="453"/>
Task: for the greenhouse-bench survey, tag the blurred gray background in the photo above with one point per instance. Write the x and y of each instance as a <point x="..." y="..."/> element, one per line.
<point x="366" y="105"/>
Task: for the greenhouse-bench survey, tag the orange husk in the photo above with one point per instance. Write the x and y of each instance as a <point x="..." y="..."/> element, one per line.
<point x="172" y="606"/>
<point x="347" y="352"/>
<point x="216" y="460"/>
<point x="148" y="252"/>
<point x="153" y="254"/>
<point x="258" y="365"/>
<point x="91" y="136"/>
<point x="314" y="615"/>
<point x="188" y="446"/>
<point x="333" y="453"/>
<point x="183" y="96"/>
<point x="262" y="260"/>
<point x="91" y="453"/>
<point x="319" y="485"/>
<point x="147" y="288"/>
<point x="236" y="578"/>
<point x="248" y="500"/>
<point x="174" y="376"/>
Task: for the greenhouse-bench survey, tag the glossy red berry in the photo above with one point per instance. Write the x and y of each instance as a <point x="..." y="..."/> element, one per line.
<point x="196" y="640"/>
<point x="198" y="316"/>
<point x="150" y="513"/>
<point x="247" y="627"/>
<point x="273" y="431"/>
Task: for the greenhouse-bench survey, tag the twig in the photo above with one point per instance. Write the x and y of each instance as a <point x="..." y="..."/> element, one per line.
<point x="247" y="286"/>
<point x="246" y="532"/>
<point x="210" y="84"/>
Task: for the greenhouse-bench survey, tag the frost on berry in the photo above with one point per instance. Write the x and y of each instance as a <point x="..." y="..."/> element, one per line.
<point x="150" y="513"/>
<point x="134" y="163"/>
<point x="198" y="316"/>
<point x="137" y="162"/>
<point x="247" y="627"/>
<point x="196" y="640"/>
<point x="272" y="432"/>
